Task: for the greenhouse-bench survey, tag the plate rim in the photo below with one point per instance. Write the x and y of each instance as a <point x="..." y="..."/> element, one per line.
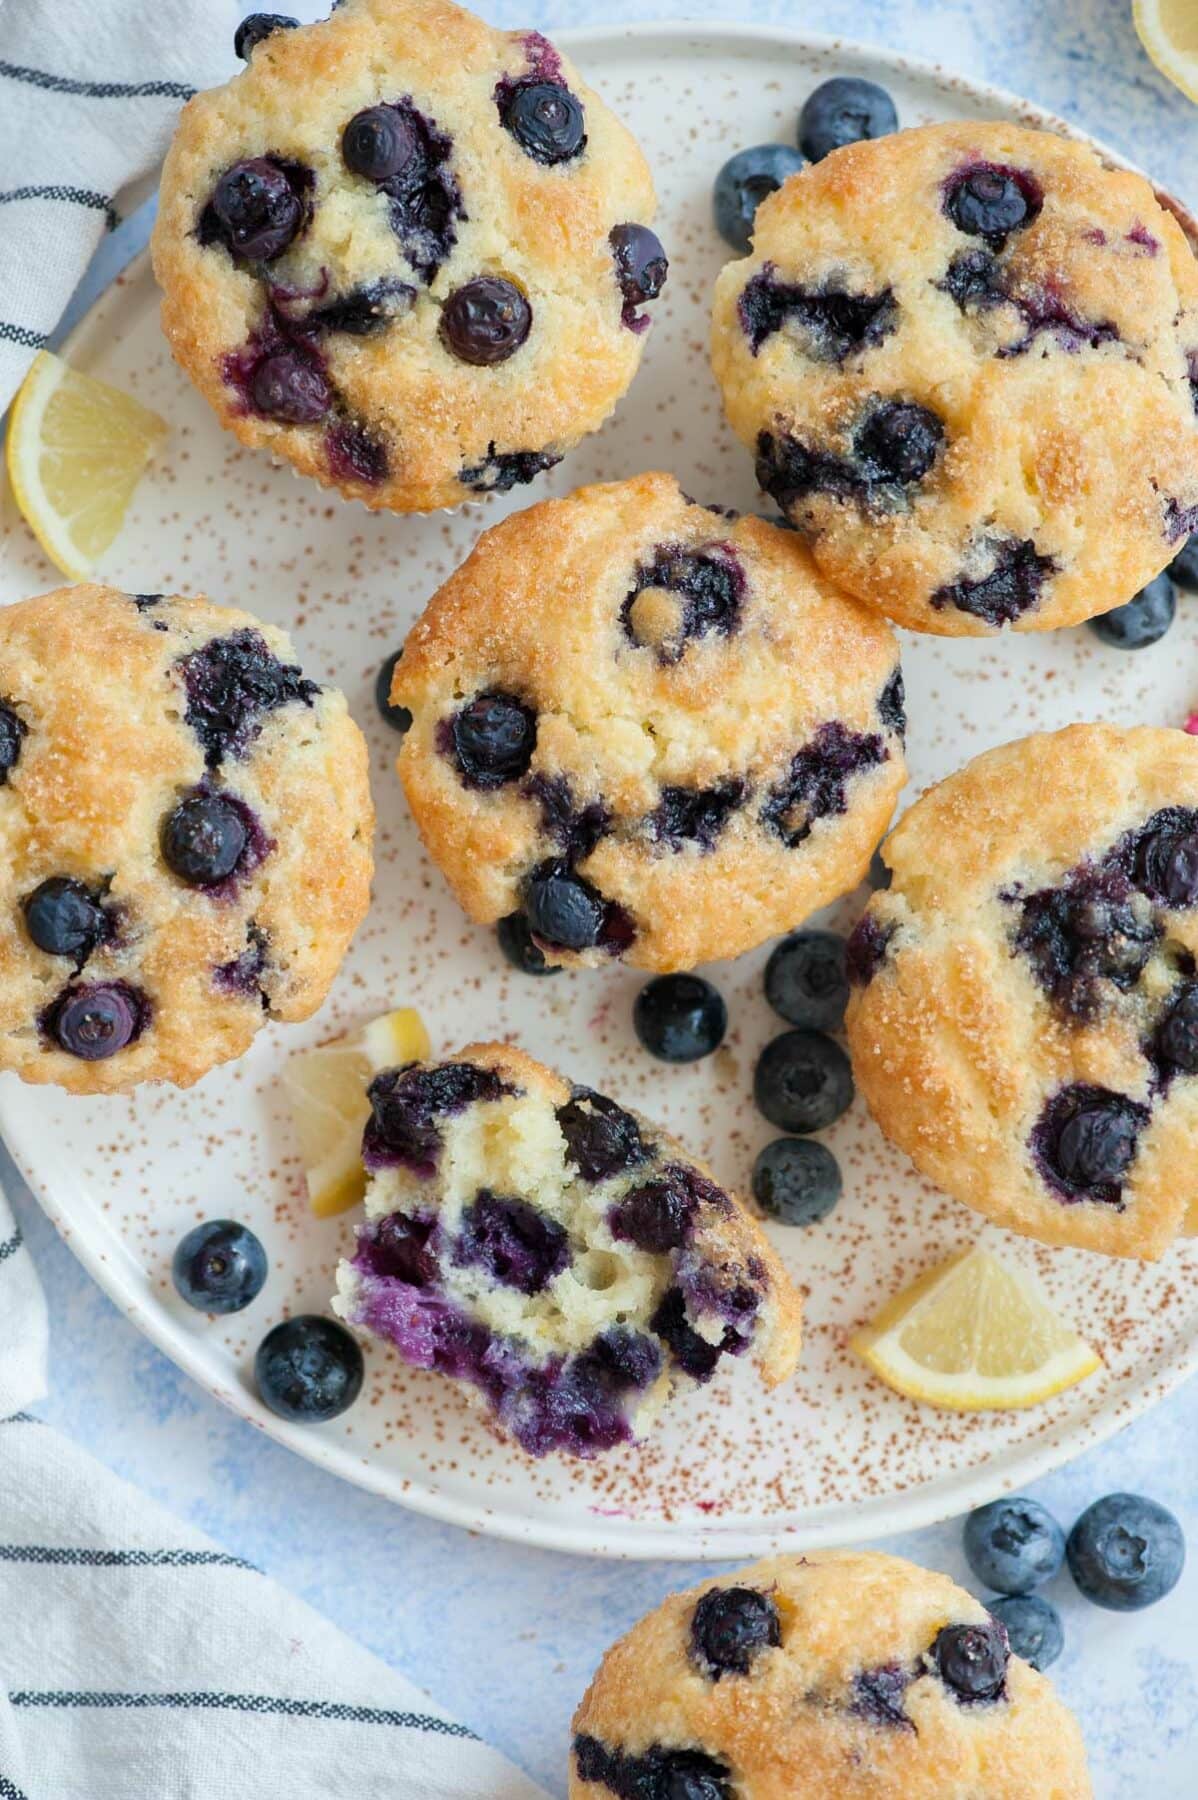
<point x="58" y="1191"/>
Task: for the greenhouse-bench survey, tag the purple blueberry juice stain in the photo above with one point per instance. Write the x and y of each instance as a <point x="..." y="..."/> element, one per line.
<point x="880" y="1695"/>
<point x="1089" y="930"/>
<point x="816" y="784"/>
<point x="514" y="1243"/>
<point x="830" y="323"/>
<point x="406" y="1105"/>
<point x="575" y="830"/>
<point x="355" y="454"/>
<point x="1013" y="586"/>
<point x="502" y="470"/>
<point x="1046" y="312"/>
<point x="232" y="684"/>
<point x="1143" y="238"/>
<point x="243" y="977"/>
<point x="866" y="949"/>
<point x="710" y="584"/>
<point x="695" y="816"/>
<point x="1084" y="1142"/>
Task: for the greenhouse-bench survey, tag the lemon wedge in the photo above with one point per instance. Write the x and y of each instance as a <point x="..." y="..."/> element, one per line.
<point x="974" y="1334"/>
<point x="326" y="1089"/>
<point x="1168" y="30"/>
<point x="76" y="449"/>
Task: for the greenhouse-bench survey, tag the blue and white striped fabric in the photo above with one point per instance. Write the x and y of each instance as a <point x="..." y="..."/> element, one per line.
<point x="89" y="94"/>
<point x="138" y="1661"/>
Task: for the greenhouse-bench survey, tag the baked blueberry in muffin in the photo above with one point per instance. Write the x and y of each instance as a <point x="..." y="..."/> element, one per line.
<point x="834" y="1675"/>
<point x="189" y="829"/>
<point x="407" y="253"/>
<point x="558" y="1254"/>
<point x="1024" y="1019"/>
<point x="651" y="728"/>
<point x="962" y="357"/>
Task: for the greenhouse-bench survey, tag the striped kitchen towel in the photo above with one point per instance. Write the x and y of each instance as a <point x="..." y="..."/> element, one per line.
<point x="138" y="1661"/>
<point x="89" y="95"/>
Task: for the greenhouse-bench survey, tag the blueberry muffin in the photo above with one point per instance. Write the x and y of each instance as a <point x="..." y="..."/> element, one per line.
<point x="835" y="1676"/>
<point x="1024" y="1021"/>
<point x="556" y="1253"/>
<point x="407" y="253"/>
<point x="966" y="360"/>
<point x="186" y="828"/>
<point x="651" y="727"/>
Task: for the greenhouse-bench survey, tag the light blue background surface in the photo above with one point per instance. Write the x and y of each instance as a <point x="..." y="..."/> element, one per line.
<point x="507" y="1638"/>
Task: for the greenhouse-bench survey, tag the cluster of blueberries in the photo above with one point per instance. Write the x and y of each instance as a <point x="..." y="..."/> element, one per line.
<point x="1125" y="1552"/>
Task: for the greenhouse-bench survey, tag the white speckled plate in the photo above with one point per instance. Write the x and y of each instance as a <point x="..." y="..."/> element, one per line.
<point x="833" y="1456"/>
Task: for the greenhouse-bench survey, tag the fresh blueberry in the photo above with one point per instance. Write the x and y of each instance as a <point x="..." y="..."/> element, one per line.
<point x="745" y="180"/>
<point x="12" y="730"/>
<point x="730" y="1627"/>
<point x="398" y="717"/>
<point x="485" y="321"/>
<point x="1184" y="567"/>
<point x="641" y="268"/>
<point x="1013" y="1546"/>
<point x="1033" y="1627"/>
<point x="308" y="1369"/>
<point x="562" y="909"/>
<point x="1126" y="1552"/>
<point x="219" y="1267"/>
<point x="900" y="440"/>
<point x="378" y="143"/>
<point x="515" y="940"/>
<point x="97" y="1020"/>
<point x="601" y="1138"/>
<point x="204" y="839"/>
<point x="843" y="111"/>
<point x="493" y="737"/>
<point x="972" y="1660"/>
<point x="545" y="118"/>
<point x="802" y="1081"/>
<point x="65" y="918"/>
<point x="796" y="1181"/>
<point x="1142" y="621"/>
<point x="680" y="1018"/>
<point x="805" y="980"/>
<point x="256" y="210"/>
<point x="257" y="26"/>
<point x="989" y="202"/>
<point x="291" y="387"/>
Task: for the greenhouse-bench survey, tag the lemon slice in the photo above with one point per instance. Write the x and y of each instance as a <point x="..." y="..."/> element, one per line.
<point x="974" y="1334"/>
<point x="76" y="449"/>
<point x="1169" y="32"/>
<point x="326" y="1089"/>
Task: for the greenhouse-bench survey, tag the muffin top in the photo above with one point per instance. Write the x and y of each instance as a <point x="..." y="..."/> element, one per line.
<point x="186" y="828"/>
<point x="651" y="725"/>
<point x="1025" y="1022"/>
<point x="965" y="358"/>
<point x="560" y="1253"/>
<point x="407" y="252"/>
<point x="833" y="1675"/>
